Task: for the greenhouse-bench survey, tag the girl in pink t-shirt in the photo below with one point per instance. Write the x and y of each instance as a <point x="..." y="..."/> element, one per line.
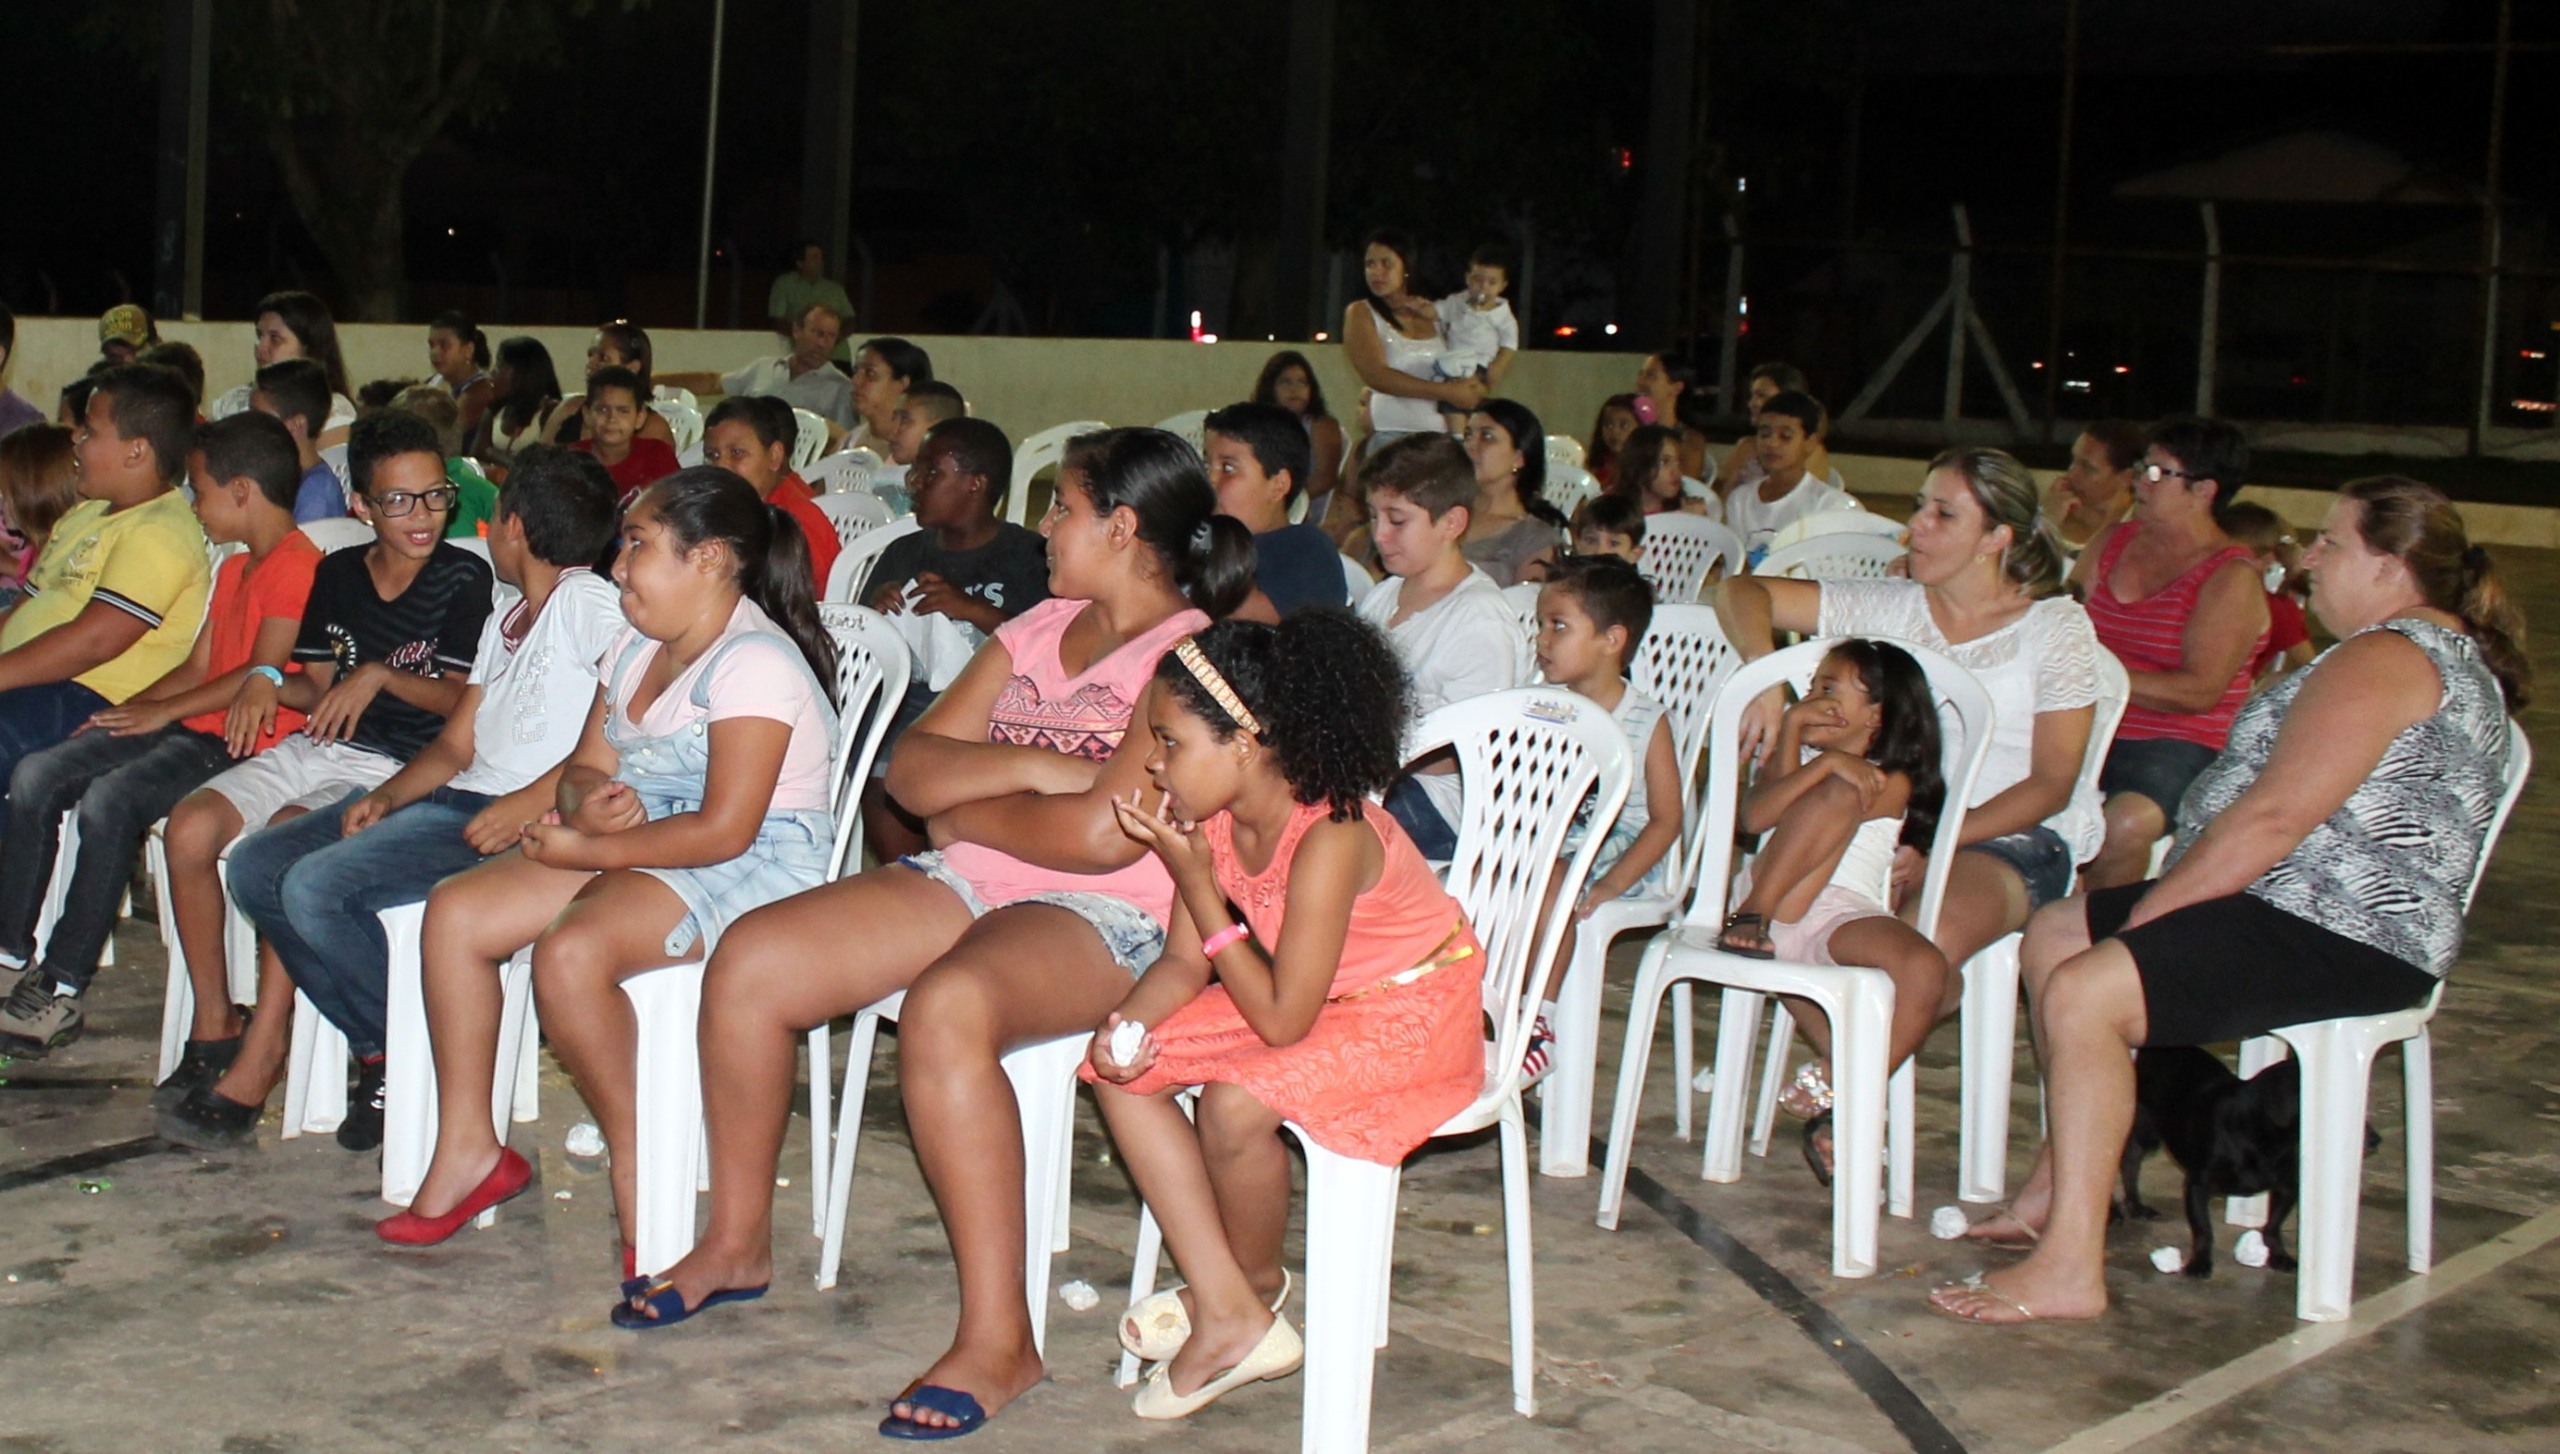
<point x="699" y="790"/>
<point x="1027" y="924"/>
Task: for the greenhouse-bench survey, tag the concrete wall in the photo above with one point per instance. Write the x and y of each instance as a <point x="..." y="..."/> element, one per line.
<point x="1022" y="384"/>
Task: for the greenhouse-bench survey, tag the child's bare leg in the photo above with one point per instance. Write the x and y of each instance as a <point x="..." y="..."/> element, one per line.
<point x="1243" y="1190"/>
<point x="266" y="1041"/>
<point x="199" y="828"/>
<point x="1801" y="852"/>
<point x="886" y="828"/>
<point x="1249" y="1168"/>
<point x="1919" y="973"/>
<point x="1564" y="950"/>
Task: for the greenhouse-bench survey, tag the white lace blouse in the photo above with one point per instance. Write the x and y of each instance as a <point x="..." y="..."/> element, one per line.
<point x="2045" y="661"/>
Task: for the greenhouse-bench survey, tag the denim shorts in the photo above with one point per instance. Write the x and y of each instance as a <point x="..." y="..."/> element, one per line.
<point x="2159" y="768"/>
<point x="1129" y="935"/>
<point x="2040" y="858"/>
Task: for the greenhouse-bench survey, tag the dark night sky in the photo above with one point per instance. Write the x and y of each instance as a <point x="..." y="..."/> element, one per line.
<point x="1059" y="145"/>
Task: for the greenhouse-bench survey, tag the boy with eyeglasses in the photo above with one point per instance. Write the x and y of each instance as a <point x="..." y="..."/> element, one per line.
<point x="387" y="641"/>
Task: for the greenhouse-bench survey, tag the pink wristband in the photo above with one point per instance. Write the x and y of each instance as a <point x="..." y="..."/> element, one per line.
<point x="1216" y="944"/>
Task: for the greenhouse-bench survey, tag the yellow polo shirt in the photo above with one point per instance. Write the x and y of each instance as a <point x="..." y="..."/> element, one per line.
<point x="147" y="560"/>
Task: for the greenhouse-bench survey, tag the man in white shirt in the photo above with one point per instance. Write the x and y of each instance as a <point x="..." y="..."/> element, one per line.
<point x="802" y="378"/>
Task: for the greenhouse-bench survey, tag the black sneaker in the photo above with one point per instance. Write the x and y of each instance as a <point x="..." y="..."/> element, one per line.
<point x="202" y="1065"/>
<point x="362" y="1129"/>
<point x="210" y="1121"/>
<point x="34" y="1021"/>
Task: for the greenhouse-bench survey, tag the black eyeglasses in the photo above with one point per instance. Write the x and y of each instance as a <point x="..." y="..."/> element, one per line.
<point x="398" y="503"/>
<point x="2155" y="473"/>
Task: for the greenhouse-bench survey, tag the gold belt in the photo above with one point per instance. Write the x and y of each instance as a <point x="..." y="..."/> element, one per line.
<point x="1441" y="957"/>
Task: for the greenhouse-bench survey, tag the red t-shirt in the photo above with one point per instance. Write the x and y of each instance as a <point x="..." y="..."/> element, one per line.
<point x="649" y="461"/>
<point x="2286" y="629"/>
<point x="793" y="494"/>
<point x="243" y="601"/>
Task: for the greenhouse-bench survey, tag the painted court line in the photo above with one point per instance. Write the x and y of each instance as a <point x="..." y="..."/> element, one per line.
<point x="2220" y="1386"/>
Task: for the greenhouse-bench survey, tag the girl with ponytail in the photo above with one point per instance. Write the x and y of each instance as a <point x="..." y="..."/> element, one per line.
<point x="1345" y="1001"/>
<point x="1026" y="924"/>
<point x="2323" y="866"/>
<point x="700" y="789"/>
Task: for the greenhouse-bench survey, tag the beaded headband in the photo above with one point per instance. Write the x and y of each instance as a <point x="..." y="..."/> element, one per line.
<point x="1194" y="660"/>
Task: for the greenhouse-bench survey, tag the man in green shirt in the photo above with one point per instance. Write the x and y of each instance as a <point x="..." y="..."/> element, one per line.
<point x="808" y="283"/>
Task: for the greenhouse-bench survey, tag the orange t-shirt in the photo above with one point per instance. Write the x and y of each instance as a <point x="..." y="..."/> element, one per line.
<point x="793" y="494"/>
<point x="244" y="600"/>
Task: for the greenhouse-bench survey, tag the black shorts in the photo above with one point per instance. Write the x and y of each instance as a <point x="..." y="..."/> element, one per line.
<point x="2159" y="768"/>
<point x="2233" y="967"/>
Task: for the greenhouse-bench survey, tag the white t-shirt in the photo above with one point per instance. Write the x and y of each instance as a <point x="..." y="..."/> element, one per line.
<point x="1755" y="519"/>
<point x="1465" y="644"/>
<point x="2045" y="661"/>
<point x="1472" y="336"/>
<point x="822" y="391"/>
<point x="535" y="695"/>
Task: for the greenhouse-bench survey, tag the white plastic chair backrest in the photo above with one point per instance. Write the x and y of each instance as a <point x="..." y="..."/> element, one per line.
<point x="337" y="533"/>
<point x="1523" y="596"/>
<point x="1697" y="489"/>
<point x="845" y="576"/>
<point x="1357" y="577"/>
<point x="1189" y="427"/>
<point x="670" y="394"/>
<point x="1569" y="486"/>
<point x="1564" y="449"/>
<point x="842" y="474"/>
<point x="808" y="440"/>
<point x="1527" y="758"/>
<point x="1837" y="522"/>
<point x="335" y="456"/>
<point x="872" y="664"/>
<point x="2519" y="767"/>
<point x="2115" y="693"/>
<point x="500" y="593"/>
<point x="684" y="421"/>
<point x="1963" y="741"/>
<point x="854" y="516"/>
<point x="1682" y="663"/>
<point x="1837" y="557"/>
<point x="1681" y="551"/>
<point x="1038" y="453"/>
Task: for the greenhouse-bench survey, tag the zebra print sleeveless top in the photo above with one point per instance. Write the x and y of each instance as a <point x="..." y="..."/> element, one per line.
<point x="2388" y="869"/>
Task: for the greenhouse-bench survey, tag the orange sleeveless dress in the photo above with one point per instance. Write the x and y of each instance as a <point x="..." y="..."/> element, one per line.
<point x="1385" y="1063"/>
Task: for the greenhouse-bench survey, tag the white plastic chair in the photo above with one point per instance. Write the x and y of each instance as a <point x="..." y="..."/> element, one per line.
<point x="58" y="888"/>
<point x="1564" y="449"/>
<point x="335" y="456"/>
<point x="848" y="472"/>
<point x="845" y="576"/>
<point x="667" y="1150"/>
<point x="337" y="533"/>
<point x="684" y="421"/>
<point x="1038" y="453"/>
<point x="1682" y="663"/>
<point x="409" y="1111"/>
<point x="1859" y="1002"/>
<point x="1569" y="486"/>
<point x="1681" y="551"/>
<point x="1836" y="557"/>
<point x="1527" y="759"/>
<point x="670" y="394"/>
<point x="1854" y="521"/>
<point x="1523" y="596"/>
<point x="1357" y="577"/>
<point x="2337" y="1069"/>
<point x="808" y="440"/>
<point x="240" y="954"/>
<point x="1188" y="427"/>
<point x="854" y="516"/>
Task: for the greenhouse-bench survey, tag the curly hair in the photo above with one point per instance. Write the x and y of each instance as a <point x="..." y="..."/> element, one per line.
<point x="1907" y="739"/>
<point x="1328" y="690"/>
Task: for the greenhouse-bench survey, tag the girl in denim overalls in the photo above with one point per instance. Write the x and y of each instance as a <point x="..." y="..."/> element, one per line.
<point x="700" y="790"/>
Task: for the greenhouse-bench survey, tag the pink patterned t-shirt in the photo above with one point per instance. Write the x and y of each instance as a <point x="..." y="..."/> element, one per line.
<point x="1085" y="716"/>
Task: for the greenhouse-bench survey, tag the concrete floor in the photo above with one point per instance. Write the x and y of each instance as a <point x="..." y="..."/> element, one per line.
<point x="162" y="1300"/>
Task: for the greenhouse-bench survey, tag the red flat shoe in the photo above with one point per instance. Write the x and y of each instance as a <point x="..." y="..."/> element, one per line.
<point x="511" y="1175"/>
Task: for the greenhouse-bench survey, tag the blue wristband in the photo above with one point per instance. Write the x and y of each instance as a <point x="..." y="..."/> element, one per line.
<point x="270" y="673"/>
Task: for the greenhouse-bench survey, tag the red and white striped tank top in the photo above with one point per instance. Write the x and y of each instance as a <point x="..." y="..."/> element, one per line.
<point x="2151" y="635"/>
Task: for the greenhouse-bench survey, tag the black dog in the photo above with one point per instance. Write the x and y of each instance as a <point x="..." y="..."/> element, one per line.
<point x="2233" y="1137"/>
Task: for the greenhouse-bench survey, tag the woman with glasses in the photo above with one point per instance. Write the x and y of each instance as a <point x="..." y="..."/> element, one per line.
<point x="2183" y="606"/>
<point x="2097" y="490"/>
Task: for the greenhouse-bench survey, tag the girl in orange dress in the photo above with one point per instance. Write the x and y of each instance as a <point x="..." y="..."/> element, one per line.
<point x="1348" y="1001"/>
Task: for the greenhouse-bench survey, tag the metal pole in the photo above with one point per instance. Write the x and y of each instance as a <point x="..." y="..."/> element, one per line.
<point x="1305" y="158"/>
<point x="1728" y="358"/>
<point x="186" y="48"/>
<point x="2493" y="231"/>
<point x="1669" y="114"/>
<point x="2209" y="329"/>
<point x="2061" y="219"/>
<point x="826" y="135"/>
<point x="710" y="165"/>
<point x="1959" y="308"/>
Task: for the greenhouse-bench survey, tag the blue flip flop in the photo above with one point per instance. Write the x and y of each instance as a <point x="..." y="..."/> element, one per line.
<point x="951" y="1403"/>
<point x="667" y="1304"/>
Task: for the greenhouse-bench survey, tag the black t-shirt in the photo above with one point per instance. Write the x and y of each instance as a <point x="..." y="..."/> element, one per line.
<point x="1010" y="572"/>
<point x="1296" y="565"/>
<point x="431" y="629"/>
